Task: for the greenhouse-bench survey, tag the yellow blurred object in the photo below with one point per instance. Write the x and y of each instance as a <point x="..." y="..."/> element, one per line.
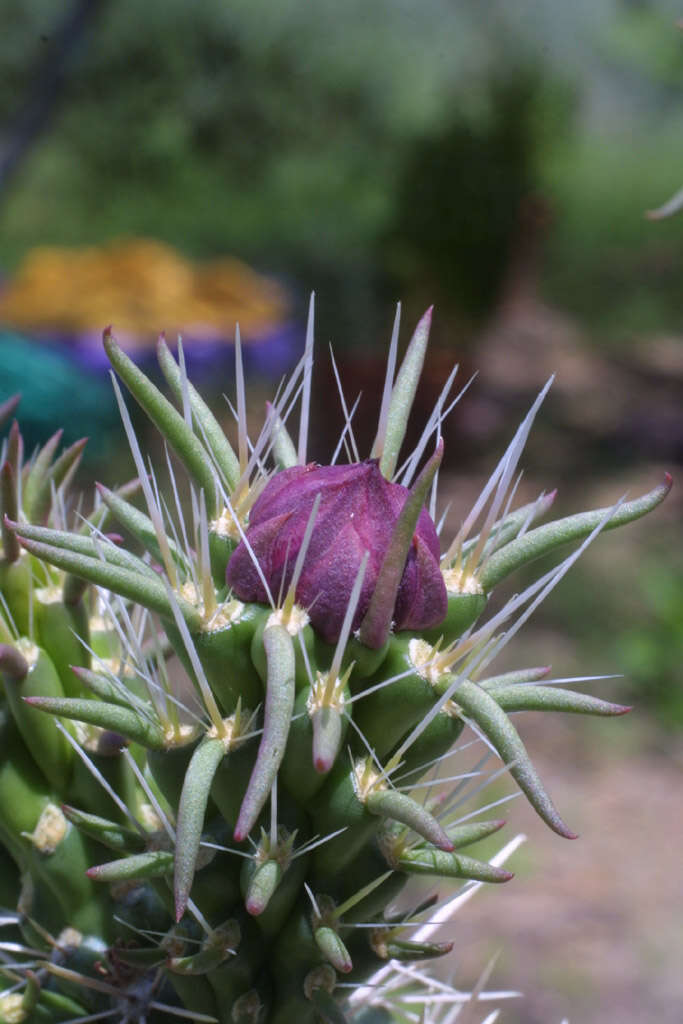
<point x="141" y="286"/>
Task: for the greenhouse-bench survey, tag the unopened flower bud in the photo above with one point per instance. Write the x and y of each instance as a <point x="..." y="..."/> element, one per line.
<point x="358" y="511"/>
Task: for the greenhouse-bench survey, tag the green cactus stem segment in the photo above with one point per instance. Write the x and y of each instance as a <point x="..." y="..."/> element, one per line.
<point x="15" y="450"/>
<point x="473" y="832"/>
<point x="191" y="810"/>
<point x="10" y="507"/>
<point x="219" y="944"/>
<point x="386" y="944"/>
<point x="464" y="608"/>
<point x="63" y="631"/>
<point x="328" y="731"/>
<point x="208" y="427"/>
<point x="49" y="748"/>
<point x="385" y="715"/>
<point x="83" y="545"/>
<point x="279" y="703"/>
<point x="73" y="590"/>
<point x="423" y="861"/>
<point x="262" y="885"/>
<point x="17" y="580"/>
<point x="521" y="675"/>
<point x="168" y="421"/>
<point x="111" y="834"/>
<point x="484" y="711"/>
<point x="103" y="687"/>
<point x="150" y="864"/>
<point x="106" y="716"/>
<point x="150" y="593"/>
<point x="326" y="705"/>
<point x="267" y="869"/>
<point x="402" y="396"/>
<point x="527" y="697"/>
<point x="37" y="473"/>
<point x="284" y="451"/>
<point x="29" y="999"/>
<point x="507" y="528"/>
<point x="376" y="624"/>
<point x="546" y="538"/>
<point x="222" y="648"/>
<point x="139" y="526"/>
<point x="58" y="473"/>
<point x="333" y="949"/>
<point x="389" y="803"/>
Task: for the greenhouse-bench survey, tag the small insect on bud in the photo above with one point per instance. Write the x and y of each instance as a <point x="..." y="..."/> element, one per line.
<point x="358" y="512"/>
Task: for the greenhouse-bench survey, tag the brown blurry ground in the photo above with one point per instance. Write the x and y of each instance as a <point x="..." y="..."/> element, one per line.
<point x="591" y="930"/>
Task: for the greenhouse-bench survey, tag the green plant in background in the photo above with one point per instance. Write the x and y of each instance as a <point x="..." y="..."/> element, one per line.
<point x="228" y="747"/>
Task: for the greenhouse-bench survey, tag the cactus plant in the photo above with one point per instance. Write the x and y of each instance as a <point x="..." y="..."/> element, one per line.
<point x="221" y="735"/>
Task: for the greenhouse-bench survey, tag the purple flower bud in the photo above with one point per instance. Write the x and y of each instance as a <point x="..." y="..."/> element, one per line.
<point x="358" y="511"/>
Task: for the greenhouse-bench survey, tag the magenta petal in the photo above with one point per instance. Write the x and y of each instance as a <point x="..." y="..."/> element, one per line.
<point x="358" y="511"/>
<point x="422" y="600"/>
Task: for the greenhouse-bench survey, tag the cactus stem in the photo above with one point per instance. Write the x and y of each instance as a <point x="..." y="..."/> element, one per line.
<point x="203" y="683"/>
<point x="165" y="417"/>
<point x="191" y="810"/>
<point x="151" y="797"/>
<point x="152" y="506"/>
<point x="403" y="394"/>
<point x="389" y="803"/>
<point x="331" y="945"/>
<point x="526" y="675"/>
<point x="325" y="706"/>
<point x="212" y="435"/>
<point x="280" y="691"/>
<point x="37" y="472"/>
<point x="207" y="588"/>
<point x="11" y="549"/>
<point x="284" y="451"/>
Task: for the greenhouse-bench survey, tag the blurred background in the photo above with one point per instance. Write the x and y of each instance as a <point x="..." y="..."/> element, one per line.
<point x="180" y="167"/>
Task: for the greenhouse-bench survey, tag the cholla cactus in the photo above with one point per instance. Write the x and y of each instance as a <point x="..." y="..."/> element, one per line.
<point x="228" y="847"/>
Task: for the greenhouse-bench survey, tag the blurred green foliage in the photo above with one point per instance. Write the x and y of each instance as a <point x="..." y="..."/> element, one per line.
<point x="322" y="141"/>
<point x="652" y="649"/>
